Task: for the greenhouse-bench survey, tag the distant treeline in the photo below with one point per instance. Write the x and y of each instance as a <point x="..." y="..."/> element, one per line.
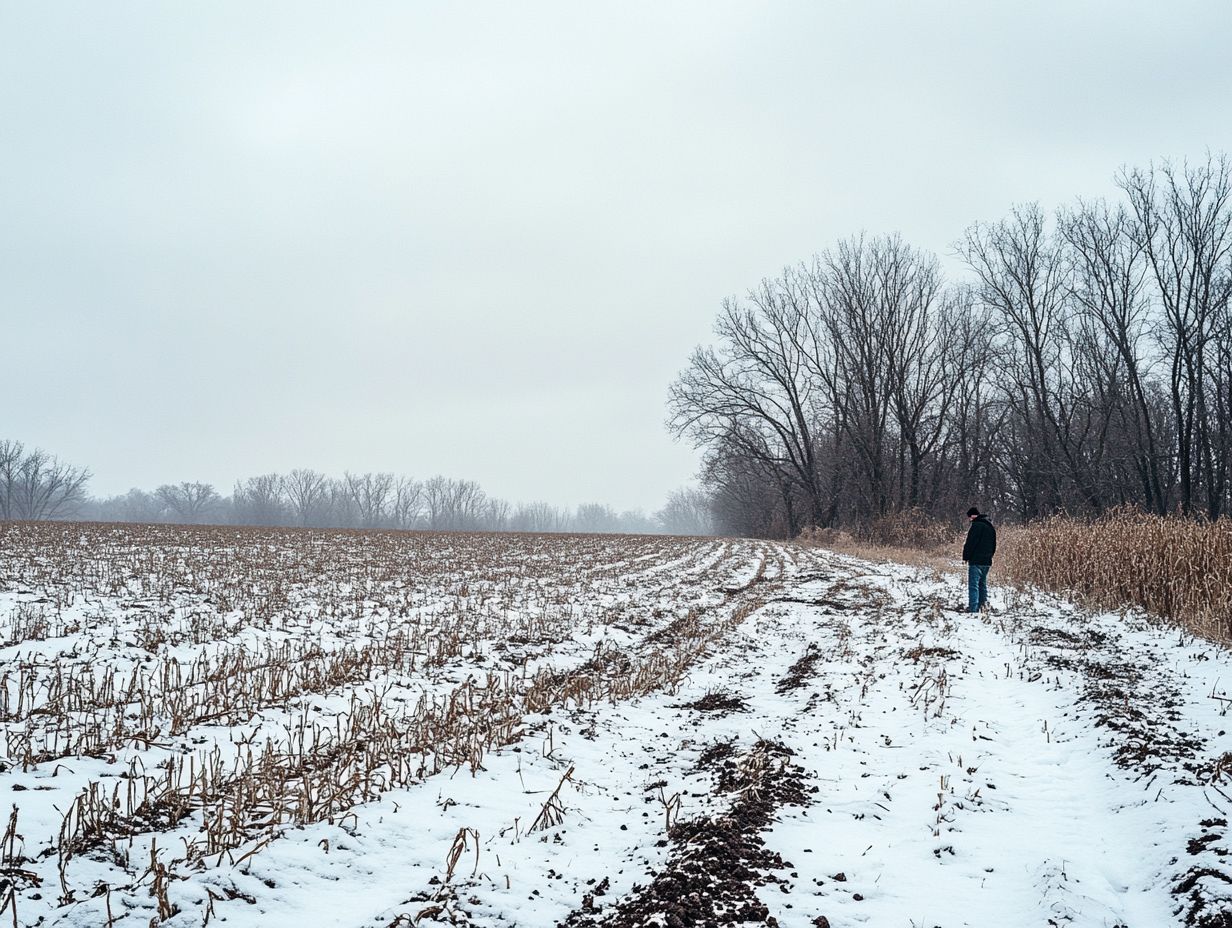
<point x="1086" y="364"/>
<point x="36" y="485"/>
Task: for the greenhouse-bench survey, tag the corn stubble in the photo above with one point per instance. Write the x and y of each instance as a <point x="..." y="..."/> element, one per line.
<point x="335" y="648"/>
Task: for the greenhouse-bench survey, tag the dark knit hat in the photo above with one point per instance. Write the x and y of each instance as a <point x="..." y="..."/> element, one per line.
<point x="973" y="512"/>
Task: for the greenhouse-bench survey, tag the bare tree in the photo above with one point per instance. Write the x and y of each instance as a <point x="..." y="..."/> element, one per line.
<point x="12" y="456"/>
<point x="1110" y="288"/>
<point x="636" y="522"/>
<point x="887" y="359"/>
<point x="307" y="492"/>
<point x="1183" y="224"/>
<point x="407" y="502"/>
<point x="438" y="501"/>
<point x="36" y="485"/>
<point x="496" y="515"/>
<point x="756" y="383"/>
<point x="687" y="512"/>
<point x="189" y="502"/>
<point x="595" y="517"/>
<point x="857" y="303"/>
<point x="454" y="505"/>
<point x="340" y="505"/>
<point x="538" y="517"/>
<point x="469" y="503"/>
<point x="370" y="495"/>
<point x="1025" y="278"/>
<point x="259" y="500"/>
<point x="134" y="506"/>
<point x="968" y="458"/>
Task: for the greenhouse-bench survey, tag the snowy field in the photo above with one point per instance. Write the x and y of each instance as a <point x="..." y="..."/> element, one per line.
<point x="278" y="728"/>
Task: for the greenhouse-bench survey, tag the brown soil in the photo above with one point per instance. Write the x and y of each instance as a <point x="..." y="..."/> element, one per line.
<point x="717" y="862"/>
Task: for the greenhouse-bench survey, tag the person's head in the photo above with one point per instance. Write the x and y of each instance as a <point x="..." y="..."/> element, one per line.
<point x="973" y="513"/>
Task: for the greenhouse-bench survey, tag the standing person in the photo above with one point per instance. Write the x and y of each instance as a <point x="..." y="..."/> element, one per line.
<point x="980" y="546"/>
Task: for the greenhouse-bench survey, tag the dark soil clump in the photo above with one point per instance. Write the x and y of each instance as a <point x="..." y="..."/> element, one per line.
<point x="919" y="652"/>
<point x="716" y="702"/>
<point x="800" y="671"/>
<point x="1209" y="906"/>
<point x="717" y="862"/>
<point x="1141" y="708"/>
<point x="715" y="754"/>
<point x="1147" y="738"/>
<point x="1206" y="887"/>
<point x="834" y="605"/>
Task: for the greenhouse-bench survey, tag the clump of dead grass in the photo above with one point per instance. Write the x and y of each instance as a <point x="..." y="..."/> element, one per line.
<point x="911" y="537"/>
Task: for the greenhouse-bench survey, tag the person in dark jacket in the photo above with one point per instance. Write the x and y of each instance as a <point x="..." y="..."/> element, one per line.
<point x="980" y="546"/>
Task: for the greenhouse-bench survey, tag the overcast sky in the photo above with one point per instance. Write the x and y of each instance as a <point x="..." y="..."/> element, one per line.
<point x="481" y="239"/>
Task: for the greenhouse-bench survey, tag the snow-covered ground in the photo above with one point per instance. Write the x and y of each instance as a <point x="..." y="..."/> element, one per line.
<point x="706" y="732"/>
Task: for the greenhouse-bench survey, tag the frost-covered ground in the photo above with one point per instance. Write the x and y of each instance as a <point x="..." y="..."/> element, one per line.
<point x="660" y="732"/>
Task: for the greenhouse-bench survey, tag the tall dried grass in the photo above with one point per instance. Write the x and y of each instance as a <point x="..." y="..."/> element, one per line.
<point x="1175" y="568"/>
<point x="911" y="537"/>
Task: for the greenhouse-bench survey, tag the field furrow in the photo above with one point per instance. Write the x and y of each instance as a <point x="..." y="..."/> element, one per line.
<point x="406" y="729"/>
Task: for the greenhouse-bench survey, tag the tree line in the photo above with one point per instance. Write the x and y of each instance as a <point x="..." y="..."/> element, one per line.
<point x="36" y="485"/>
<point x="1083" y="363"/>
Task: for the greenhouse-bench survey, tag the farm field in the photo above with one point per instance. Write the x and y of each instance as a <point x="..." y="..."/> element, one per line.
<point x="205" y="725"/>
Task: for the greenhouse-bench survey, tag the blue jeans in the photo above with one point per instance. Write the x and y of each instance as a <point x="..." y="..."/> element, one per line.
<point x="977" y="586"/>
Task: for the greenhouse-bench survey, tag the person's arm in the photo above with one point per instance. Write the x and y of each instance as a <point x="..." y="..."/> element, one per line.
<point x="967" y="543"/>
<point x="993" y="529"/>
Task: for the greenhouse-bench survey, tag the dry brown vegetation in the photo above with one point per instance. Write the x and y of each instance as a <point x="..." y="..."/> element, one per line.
<point x="910" y="537"/>
<point x="1180" y="569"/>
<point x="232" y="682"/>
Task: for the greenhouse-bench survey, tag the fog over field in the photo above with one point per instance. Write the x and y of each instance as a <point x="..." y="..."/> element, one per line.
<point x="482" y="240"/>
<point x="615" y="465"/>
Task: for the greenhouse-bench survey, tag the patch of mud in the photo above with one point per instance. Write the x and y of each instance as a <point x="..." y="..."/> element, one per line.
<point x="919" y="652"/>
<point x="801" y="671"/>
<point x="1141" y="713"/>
<point x="714" y="754"/>
<point x="721" y="703"/>
<point x="1051" y="637"/>
<point x="717" y="862"/>
<point x="823" y="602"/>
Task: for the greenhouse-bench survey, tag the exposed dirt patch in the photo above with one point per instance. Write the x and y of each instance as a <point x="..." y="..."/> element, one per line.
<point x="1206" y="886"/>
<point x="1139" y="704"/>
<point x="834" y="605"/>
<point x="801" y="671"/>
<point x="1135" y="700"/>
<point x="717" y="862"/>
<point x="1207" y="893"/>
<point x="1054" y="637"/>
<point x="715" y="754"/>
<point x="721" y="703"/>
<point x="1141" y="714"/>
<point x="919" y="652"/>
<point x="1066" y="638"/>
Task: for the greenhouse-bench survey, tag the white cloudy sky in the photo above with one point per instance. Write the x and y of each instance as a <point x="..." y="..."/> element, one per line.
<point x="481" y="238"/>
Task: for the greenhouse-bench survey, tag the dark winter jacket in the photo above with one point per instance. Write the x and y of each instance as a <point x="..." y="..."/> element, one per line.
<point x="981" y="543"/>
